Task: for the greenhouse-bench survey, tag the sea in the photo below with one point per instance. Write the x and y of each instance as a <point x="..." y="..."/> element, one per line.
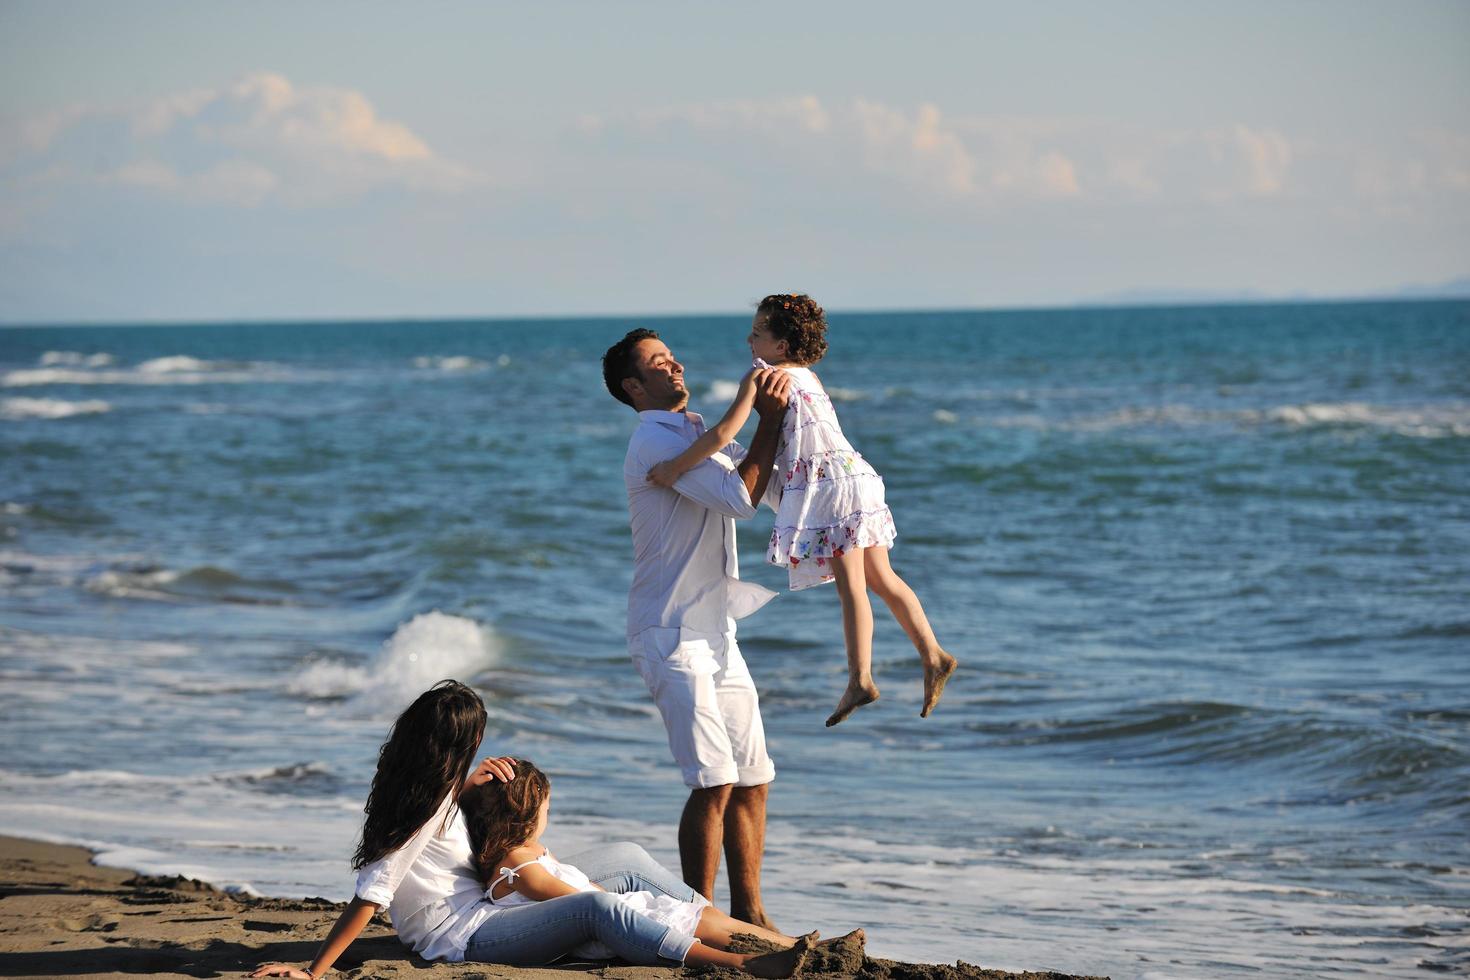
<point x="1206" y="571"/>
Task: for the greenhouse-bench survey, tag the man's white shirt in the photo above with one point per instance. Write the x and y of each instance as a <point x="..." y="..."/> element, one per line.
<point x="685" y="570"/>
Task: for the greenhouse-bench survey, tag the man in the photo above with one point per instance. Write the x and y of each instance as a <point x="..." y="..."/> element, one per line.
<point x="682" y="608"/>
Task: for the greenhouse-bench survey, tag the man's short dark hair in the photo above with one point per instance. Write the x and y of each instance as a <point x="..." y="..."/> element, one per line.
<point x="621" y="362"/>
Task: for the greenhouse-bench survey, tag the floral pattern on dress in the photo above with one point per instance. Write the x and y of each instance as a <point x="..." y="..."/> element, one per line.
<point x="832" y="500"/>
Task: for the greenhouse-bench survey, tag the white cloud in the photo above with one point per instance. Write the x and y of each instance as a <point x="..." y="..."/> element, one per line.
<point x="927" y="154"/>
<point x="920" y="150"/>
<point x="266" y="113"/>
<point x="246" y="143"/>
<point x="1058" y="175"/>
<point x="1265" y="156"/>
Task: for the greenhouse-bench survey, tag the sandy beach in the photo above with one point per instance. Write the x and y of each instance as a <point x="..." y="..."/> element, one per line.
<point x="62" y="915"/>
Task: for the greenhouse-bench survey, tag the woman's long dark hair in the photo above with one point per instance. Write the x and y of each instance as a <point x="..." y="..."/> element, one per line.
<point x="500" y="817"/>
<point x="426" y="758"/>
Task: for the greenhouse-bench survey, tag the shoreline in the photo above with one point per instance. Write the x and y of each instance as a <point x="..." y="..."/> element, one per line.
<point x="61" y="914"/>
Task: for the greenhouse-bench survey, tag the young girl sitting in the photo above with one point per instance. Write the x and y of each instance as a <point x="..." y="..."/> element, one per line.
<point x="505" y="821"/>
<point x="832" y="522"/>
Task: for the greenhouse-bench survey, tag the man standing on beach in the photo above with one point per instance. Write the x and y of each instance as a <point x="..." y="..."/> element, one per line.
<point x="682" y="608"/>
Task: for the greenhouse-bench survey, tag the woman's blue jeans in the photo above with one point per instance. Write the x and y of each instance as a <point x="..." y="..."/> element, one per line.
<point x="531" y="935"/>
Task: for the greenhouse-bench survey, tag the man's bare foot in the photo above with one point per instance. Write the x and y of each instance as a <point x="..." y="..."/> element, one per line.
<point x="852" y="699"/>
<point x="935" y="677"/>
<point x="783" y="962"/>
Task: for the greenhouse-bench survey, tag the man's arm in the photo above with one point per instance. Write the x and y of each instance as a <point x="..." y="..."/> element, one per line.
<point x="760" y="459"/>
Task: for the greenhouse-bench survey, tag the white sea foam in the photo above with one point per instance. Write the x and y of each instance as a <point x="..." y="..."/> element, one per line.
<point x="49" y="408"/>
<point x="1426" y="422"/>
<point x="426" y="649"/>
<point x="1451" y="420"/>
<point x="205" y="825"/>
<point x="136" y="584"/>
<point x="177" y="369"/>
<point x="723" y="390"/>
<point x="53" y="569"/>
<point x="945" y="416"/>
<point x="177" y="364"/>
<point x="75" y="358"/>
<point x="458" y="363"/>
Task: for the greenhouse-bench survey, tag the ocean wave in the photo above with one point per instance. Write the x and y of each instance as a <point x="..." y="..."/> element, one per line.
<point x="75" y="358"/>
<point x="301" y="778"/>
<point x="421" y="652"/>
<point x="204" y="582"/>
<point x="1353" y="756"/>
<point x="723" y="390"/>
<point x="62" y="569"/>
<point x="50" y="408"/>
<point x="453" y="364"/>
<point x="266" y="779"/>
<point x="1422" y="422"/>
<point x="177" y="369"/>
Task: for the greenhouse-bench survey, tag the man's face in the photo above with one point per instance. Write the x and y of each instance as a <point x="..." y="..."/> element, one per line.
<point x="660" y="384"/>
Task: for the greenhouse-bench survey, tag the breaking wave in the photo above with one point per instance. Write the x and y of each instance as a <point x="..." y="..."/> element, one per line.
<point x="458" y="363"/>
<point x="16" y="409"/>
<point x="1442" y="421"/>
<point x="421" y="652"/>
<point x="72" y="368"/>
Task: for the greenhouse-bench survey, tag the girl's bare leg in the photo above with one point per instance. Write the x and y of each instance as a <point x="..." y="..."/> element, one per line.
<point x="716" y="929"/>
<point x="857" y="630"/>
<point x="906" y="608"/>
<point x="771" y="966"/>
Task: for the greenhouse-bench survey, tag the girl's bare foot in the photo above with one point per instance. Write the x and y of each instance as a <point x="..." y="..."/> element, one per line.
<point x="853" y="698"/>
<point x="783" y="962"/>
<point x="935" y="676"/>
<point x="856" y="937"/>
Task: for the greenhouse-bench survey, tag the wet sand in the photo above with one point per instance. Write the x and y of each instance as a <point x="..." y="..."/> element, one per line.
<point x="61" y="915"/>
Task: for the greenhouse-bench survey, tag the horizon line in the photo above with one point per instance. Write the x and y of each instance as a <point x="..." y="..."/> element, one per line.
<point x="1096" y="305"/>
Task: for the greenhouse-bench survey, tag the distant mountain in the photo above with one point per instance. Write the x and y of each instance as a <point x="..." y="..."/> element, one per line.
<point x="1454" y="289"/>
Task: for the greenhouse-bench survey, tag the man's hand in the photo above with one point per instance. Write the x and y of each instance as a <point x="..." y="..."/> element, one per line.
<point x="281" y="970"/>
<point x="772" y="390"/>
<point x="503" y="769"/>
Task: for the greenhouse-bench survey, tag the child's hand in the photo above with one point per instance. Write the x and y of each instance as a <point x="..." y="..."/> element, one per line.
<point x="664" y="475"/>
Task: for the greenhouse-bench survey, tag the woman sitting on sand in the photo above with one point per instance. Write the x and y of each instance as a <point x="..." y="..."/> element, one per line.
<point x="415" y="858"/>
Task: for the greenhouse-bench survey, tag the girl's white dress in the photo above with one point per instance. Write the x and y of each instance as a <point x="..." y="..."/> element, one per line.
<point x="666" y="910"/>
<point x="831" y="499"/>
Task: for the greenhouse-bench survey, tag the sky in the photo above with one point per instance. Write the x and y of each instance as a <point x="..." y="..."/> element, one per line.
<point x="178" y="161"/>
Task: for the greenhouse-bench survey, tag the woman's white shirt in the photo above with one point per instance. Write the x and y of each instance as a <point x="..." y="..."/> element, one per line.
<point x="430" y="886"/>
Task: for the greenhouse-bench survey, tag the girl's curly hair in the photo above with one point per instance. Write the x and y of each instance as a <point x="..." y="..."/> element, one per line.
<point x="797" y="319"/>
<point x="500" y="817"/>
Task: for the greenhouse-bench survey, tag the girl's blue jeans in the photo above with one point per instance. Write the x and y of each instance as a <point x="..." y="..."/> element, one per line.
<point x="531" y="935"/>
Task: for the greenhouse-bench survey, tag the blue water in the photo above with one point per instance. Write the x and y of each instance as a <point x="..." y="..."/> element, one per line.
<point x="1207" y="571"/>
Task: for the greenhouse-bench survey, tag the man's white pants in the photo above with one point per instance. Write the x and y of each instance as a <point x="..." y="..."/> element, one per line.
<point x="709" y="705"/>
